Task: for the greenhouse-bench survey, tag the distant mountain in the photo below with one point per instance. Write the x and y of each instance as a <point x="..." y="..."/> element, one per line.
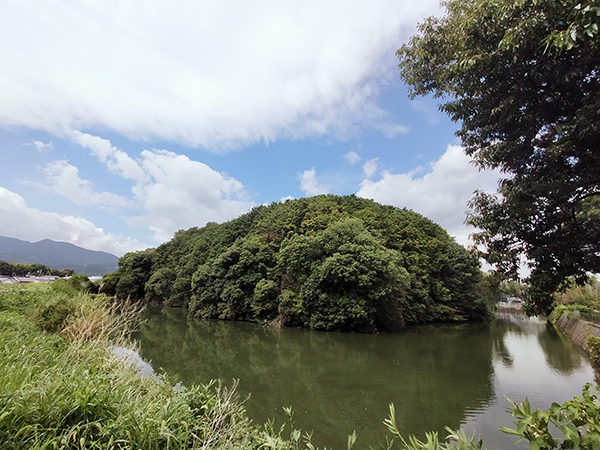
<point x="57" y="255"/>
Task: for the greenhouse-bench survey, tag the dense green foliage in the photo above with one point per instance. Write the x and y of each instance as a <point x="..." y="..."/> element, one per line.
<point x="327" y="262"/>
<point x="522" y="79"/>
<point x="20" y="270"/>
<point x="587" y="295"/>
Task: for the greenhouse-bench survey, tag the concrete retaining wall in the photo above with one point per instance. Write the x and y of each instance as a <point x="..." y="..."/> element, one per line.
<point x="577" y="330"/>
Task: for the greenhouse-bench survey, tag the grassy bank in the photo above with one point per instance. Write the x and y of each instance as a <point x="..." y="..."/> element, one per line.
<point x="61" y="386"/>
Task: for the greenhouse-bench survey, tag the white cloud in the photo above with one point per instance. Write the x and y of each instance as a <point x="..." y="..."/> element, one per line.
<point x="31" y="224"/>
<point x="212" y="73"/>
<point x="390" y="130"/>
<point x="183" y="193"/>
<point x="352" y="157"/>
<point x="441" y="194"/>
<point x="310" y="185"/>
<point x="116" y="160"/>
<point x="285" y="199"/>
<point x="370" y="167"/>
<point x="40" y="146"/>
<point x="63" y="179"/>
<point x="174" y="192"/>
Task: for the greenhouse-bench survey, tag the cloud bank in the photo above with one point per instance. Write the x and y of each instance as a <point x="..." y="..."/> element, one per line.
<point x="214" y="73"/>
<point x="173" y="191"/>
<point x="62" y="178"/>
<point x="31" y="224"/>
<point x="183" y="193"/>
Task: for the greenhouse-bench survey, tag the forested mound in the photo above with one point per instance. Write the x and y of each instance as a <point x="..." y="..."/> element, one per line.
<point x="326" y="262"/>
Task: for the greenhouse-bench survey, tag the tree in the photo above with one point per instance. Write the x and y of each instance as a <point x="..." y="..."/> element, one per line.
<point x="225" y="287"/>
<point x="347" y="280"/>
<point x="134" y="271"/>
<point x="158" y="287"/>
<point x="522" y="79"/>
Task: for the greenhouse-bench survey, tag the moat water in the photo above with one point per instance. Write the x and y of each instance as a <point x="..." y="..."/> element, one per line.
<point x="435" y="375"/>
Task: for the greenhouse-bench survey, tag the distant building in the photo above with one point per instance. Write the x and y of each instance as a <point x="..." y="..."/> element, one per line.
<point x="5" y="279"/>
<point x="507" y="301"/>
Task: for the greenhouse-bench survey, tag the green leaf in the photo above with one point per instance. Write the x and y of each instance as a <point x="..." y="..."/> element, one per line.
<point x="352" y="439"/>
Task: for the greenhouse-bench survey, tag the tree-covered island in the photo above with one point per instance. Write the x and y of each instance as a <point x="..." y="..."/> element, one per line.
<point x="326" y="263"/>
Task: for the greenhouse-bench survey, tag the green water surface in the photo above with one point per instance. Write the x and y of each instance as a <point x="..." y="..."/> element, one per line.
<point x="436" y="375"/>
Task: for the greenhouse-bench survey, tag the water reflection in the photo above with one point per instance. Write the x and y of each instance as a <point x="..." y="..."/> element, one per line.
<point x="558" y="351"/>
<point x="439" y="375"/>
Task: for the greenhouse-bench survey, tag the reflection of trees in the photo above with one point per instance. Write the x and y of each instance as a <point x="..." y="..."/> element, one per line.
<point x="505" y="322"/>
<point x="336" y="382"/>
<point x="500" y="348"/>
<point x="559" y="351"/>
<point x="519" y="324"/>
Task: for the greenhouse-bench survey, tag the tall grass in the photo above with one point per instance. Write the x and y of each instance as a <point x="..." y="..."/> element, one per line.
<point x="61" y="387"/>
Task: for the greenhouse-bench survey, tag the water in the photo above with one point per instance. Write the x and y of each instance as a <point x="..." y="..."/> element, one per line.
<point x="436" y="375"/>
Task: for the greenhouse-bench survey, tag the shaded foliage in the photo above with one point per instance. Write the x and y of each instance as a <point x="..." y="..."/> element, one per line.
<point x="129" y="281"/>
<point x="21" y="270"/>
<point x="522" y="79"/>
<point x="327" y="262"/>
<point x="346" y="279"/>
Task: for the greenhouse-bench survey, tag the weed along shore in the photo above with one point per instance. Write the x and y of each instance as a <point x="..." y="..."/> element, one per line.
<point x="68" y="381"/>
<point x="62" y="387"/>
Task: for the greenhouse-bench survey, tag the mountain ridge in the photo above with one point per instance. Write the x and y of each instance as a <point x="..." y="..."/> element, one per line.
<point x="57" y="255"/>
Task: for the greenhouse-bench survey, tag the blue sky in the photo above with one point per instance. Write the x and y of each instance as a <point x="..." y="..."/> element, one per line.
<point x="124" y="121"/>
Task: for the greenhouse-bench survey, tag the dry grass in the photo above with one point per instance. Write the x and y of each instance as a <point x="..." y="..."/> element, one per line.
<point x="98" y="318"/>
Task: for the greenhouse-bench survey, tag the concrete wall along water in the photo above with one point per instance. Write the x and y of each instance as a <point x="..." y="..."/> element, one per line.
<point x="578" y="330"/>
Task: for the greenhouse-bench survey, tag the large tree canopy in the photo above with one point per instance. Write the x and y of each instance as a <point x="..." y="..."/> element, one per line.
<point x="522" y="79"/>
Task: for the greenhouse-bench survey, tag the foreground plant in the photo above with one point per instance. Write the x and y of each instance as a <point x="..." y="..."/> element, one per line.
<point x="578" y="420"/>
<point x="62" y="387"/>
<point x="575" y="424"/>
<point x="456" y="440"/>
